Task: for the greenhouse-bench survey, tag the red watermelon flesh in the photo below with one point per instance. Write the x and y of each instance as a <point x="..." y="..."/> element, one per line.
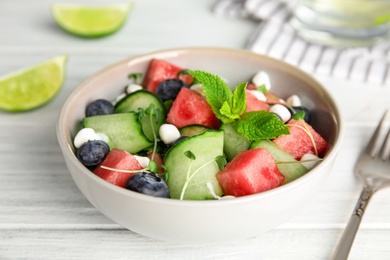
<point x="298" y="142"/>
<point x="253" y="104"/>
<point x="251" y="86"/>
<point x="118" y="159"/>
<point x="251" y="171"/>
<point x="190" y="108"/>
<point x="272" y="98"/>
<point x="160" y="70"/>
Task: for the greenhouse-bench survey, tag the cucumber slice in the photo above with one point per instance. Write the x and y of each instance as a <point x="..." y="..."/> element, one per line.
<point x="193" y="175"/>
<point x="287" y="165"/>
<point x="143" y="99"/>
<point x="124" y="131"/>
<point x="234" y="142"/>
<point x="191" y="130"/>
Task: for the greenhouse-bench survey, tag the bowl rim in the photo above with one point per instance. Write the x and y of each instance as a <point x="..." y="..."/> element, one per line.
<point x="67" y="148"/>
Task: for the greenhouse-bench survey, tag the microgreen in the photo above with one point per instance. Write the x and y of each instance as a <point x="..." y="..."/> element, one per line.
<point x="190" y="155"/>
<point x="229" y="106"/>
<point x="152" y="167"/>
<point x="307" y="131"/>
<point x="136" y="77"/>
<point x="300" y="115"/>
<point x="153" y="114"/>
<point x="221" y="162"/>
<point x="262" y="88"/>
<point x="300" y="161"/>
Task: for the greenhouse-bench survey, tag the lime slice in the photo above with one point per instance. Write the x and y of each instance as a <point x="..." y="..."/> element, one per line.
<point x="91" y="21"/>
<point x="32" y="87"/>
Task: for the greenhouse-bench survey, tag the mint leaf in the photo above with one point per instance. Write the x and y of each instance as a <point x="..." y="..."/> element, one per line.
<point x="259" y="125"/>
<point x="216" y="90"/>
<point x="239" y="99"/>
<point x="227" y="115"/>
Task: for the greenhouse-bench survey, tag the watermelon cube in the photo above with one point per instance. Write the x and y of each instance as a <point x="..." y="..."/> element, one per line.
<point x="160" y="70"/>
<point x="251" y="86"/>
<point x="251" y="171"/>
<point x="190" y="108"/>
<point x="298" y="142"/>
<point x="254" y="104"/>
<point x="121" y="160"/>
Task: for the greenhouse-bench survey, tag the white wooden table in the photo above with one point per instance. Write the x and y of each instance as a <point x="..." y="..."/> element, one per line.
<point x="44" y="216"/>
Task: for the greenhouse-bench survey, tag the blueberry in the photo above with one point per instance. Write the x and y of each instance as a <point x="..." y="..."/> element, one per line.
<point x="168" y="89"/>
<point x="100" y="107"/>
<point x="93" y="152"/>
<point x="307" y="117"/>
<point x="148" y="183"/>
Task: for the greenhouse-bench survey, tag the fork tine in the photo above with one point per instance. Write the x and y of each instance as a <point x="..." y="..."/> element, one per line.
<point x="385" y="150"/>
<point x="374" y="143"/>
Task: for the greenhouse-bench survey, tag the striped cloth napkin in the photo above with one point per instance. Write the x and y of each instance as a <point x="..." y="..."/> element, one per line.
<point x="274" y="37"/>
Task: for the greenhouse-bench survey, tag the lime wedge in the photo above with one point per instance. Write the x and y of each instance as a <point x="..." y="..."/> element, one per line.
<point x="32" y="87"/>
<point x="91" y="21"/>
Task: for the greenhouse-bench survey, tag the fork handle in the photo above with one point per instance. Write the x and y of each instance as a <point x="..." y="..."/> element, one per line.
<point x="344" y="246"/>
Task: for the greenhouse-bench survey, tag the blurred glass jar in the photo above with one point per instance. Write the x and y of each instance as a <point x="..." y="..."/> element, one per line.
<point x="348" y="23"/>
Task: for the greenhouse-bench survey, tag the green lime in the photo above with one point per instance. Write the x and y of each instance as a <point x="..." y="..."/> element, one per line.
<point x="32" y="87"/>
<point x="91" y="21"/>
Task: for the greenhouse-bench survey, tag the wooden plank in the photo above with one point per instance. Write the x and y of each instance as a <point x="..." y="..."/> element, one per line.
<point x="120" y="244"/>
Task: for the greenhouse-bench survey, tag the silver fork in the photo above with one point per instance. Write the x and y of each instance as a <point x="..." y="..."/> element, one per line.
<point x="373" y="168"/>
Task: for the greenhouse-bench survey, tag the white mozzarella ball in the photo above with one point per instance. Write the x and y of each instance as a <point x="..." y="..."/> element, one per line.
<point x="198" y="89"/>
<point x="169" y="133"/>
<point x="133" y="88"/>
<point x="227" y="197"/>
<point x="262" y="78"/>
<point x="83" y="136"/>
<point x="143" y="160"/>
<point x="258" y="94"/>
<point x="281" y="111"/>
<point x="294" y="101"/>
<point x="309" y="160"/>
<point x="118" y="98"/>
<point x="102" y="137"/>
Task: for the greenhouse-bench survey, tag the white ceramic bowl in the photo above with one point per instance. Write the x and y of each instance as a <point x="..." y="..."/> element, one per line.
<point x="202" y="221"/>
